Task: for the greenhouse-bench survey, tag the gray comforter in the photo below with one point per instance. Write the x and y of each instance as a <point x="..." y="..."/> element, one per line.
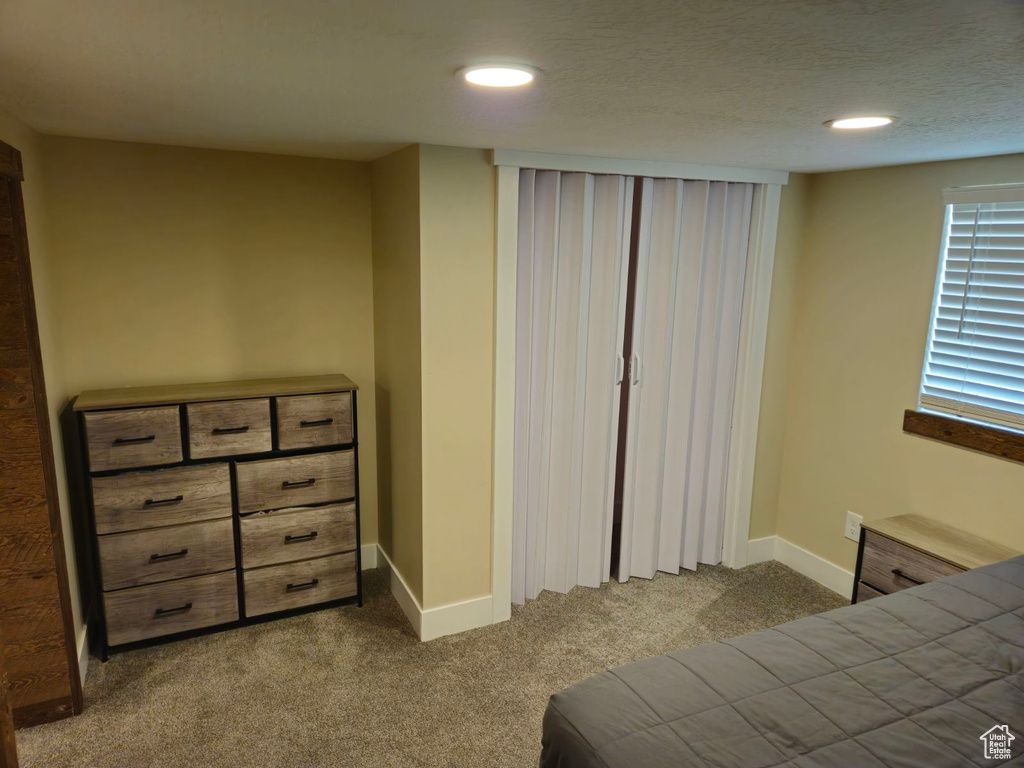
<point x="910" y="679"/>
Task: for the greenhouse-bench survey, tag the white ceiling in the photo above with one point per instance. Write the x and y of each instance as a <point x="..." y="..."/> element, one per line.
<point x="731" y="82"/>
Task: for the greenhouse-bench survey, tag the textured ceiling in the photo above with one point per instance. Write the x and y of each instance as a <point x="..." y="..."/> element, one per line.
<point x="734" y="82"/>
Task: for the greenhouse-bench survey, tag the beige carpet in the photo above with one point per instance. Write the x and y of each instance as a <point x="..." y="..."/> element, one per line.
<point x="353" y="687"/>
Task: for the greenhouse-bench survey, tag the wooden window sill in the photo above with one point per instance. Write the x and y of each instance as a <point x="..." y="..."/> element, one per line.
<point x="1004" y="443"/>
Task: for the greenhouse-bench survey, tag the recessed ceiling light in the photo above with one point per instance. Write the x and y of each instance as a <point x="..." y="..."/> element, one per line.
<point x="860" y="123"/>
<point x="499" y="75"/>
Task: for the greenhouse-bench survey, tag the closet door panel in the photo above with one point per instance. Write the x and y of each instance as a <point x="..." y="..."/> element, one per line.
<point x="704" y="380"/>
<point x="679" y="405"/>
<point x="729" y="314"/>
<point x="691" y="267"/>
<point x="521" y="562"/>
<point x="570" y="273"/>
<point x="655" y="303"/>
<point x="564" y="442"/>
<point x="604" y="322"/>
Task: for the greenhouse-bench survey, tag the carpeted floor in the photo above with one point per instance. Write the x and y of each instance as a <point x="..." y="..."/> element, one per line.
<point x="353" y="687"/>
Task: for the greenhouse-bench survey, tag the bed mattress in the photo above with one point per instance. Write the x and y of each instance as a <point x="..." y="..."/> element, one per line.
<point x="917" y="678"/>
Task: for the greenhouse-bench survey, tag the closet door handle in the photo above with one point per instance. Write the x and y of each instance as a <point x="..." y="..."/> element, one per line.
<point x="620" y="364"/>
<point x="634" y="369"/>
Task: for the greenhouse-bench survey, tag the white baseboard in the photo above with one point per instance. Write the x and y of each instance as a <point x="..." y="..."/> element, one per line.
<point x="368" y="556"/>
<point x="433" y="623"/>
<point x="83" y="653"/>
<point x="812" y="566"/>
<point x="456" y="617"/>
<point x="761" y="550"/>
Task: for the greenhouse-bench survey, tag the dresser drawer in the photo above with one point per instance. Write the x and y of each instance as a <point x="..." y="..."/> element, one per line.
<point x="175" y="606"/>
<point x="890" y="566"/>
<point x="314" y="420"/>
<point x="161" y="497"/>
<point x="307" y="582"/>
<point x="229" y="428"/>
<point x="162" y="554"/>
<point x="141" y="437"/>
<point x="292" y="482"/>
<point x="297" y="534"/>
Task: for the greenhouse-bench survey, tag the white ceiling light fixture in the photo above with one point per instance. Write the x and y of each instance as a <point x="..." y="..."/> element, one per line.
<point x="860" y="123"/>
<point x="499" y="75"/>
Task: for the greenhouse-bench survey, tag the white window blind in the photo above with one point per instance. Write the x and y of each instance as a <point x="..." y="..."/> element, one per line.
<point x="974" y="367"/>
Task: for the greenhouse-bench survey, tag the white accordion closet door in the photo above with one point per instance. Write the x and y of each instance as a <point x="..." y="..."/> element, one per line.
<point x="691" y="266"/>
<point x="572" y="265"/>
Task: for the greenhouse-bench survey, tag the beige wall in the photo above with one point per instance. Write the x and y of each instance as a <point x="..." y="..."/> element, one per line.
<point x="396" y="328"/>
<point x="175" y="265"/>
<point x="457" y="294"/>
<point x="771" y="428"/>
<point x="37" y="218"/>
<point x="865" y="284"/>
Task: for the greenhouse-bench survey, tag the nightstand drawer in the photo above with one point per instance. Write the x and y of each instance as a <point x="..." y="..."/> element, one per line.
<point x="140" y="437"/>
<point x="293" y="482"/>
<point x="175" y="606"/>
<point x="161" y="497"/>
<point x="314" y="420"/>
<point x="162" y="554"/>
<point x="229" y="428"/>
<point x="297" y="534"/>
<point x="889" y="566"/>
<point x="295" y="585"/>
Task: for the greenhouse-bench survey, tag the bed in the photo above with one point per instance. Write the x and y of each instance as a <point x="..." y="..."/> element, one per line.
<point x="915" y="678"/>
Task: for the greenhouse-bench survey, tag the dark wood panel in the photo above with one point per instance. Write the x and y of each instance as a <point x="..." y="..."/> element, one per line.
<point x="45" y="712"/>
<point x="41" y="655"/>
<point x="979" y="437"/>
<point x="10" y="162"/>
<point x="8" y="748"/>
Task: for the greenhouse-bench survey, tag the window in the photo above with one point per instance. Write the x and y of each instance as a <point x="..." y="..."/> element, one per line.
<point x="974" y="366"/>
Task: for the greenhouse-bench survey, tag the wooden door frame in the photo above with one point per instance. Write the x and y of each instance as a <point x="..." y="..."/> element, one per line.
<point x="12" y="174"/>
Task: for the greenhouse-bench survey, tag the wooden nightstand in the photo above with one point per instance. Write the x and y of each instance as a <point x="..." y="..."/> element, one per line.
<point x="901" y="552"/>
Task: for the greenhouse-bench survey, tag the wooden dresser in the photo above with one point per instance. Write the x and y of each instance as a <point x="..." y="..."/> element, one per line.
<point x="900" y="552"/>
<point x="213" y="505"/>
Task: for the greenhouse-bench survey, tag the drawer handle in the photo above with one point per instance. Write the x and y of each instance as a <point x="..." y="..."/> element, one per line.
<point x="320" y="423"/>
<point x="902" y="575"/>
<point x="298" y="483"/>
<point x="306" y="537"/>
<point x="172" y="611"/>
<point x="230" y="430"/>
<point x="303" y="585"/>
<point x="171" y="556"/>
<point x="164" y="502"/>
<point x="133" y="440"/>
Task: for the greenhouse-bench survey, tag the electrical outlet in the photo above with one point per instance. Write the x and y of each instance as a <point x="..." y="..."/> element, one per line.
<point x="853" y="526"/>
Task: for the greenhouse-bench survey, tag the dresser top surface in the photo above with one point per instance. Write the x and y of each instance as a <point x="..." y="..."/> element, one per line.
<point x="132" y="397"/>
<point x="963" y="549"/>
